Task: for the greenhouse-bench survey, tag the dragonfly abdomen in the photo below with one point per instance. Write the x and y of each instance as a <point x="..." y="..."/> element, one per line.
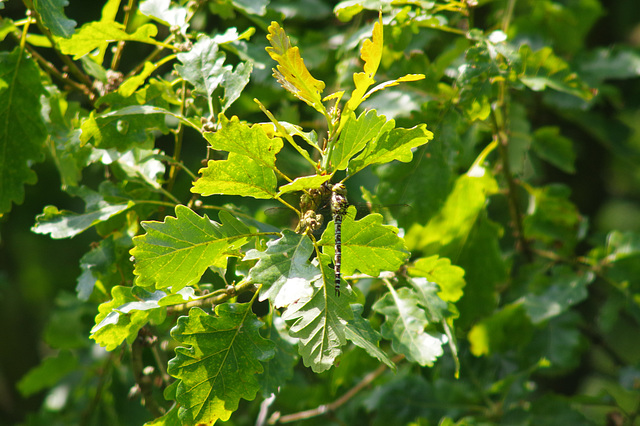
<point x="339" y="205"/>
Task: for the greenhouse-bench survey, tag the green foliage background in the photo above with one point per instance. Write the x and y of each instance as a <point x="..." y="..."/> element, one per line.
<point x="511" y="297"/>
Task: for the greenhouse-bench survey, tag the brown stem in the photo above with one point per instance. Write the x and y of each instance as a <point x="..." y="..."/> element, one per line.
<point x="104" y="373"/>
<point x="144" y="381"/>
<point x="327" y="408"/>
<point x="129" y="10"/>
<point x="73" y="68"/>
<point x="178" y="134"/>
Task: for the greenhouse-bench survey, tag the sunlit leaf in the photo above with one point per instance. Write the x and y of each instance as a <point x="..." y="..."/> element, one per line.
<point x="284" y="269"/>
<point x="319" y="321"/>
<point x="394" y="145"/>
<point x="237" y="175"/>
<point x="391" y="83"/>
<point x="371" y="53"/>
<point x="367" y="245"/>
<point x="428" y="296"/>
<point x="405" y="326"/>
<point x="360" y="332"/>
<point x="175" y="253"/>
<point x="165" y="12"/>
<point x="458" y="215"/>
<point x="304" y="183"/>
<point x="291" y="72"/>
<point x="218" y="361"/>
<point x="234" y="83"/>
<point x="356" y="134"/>
<point x="92" y="35"/>
<point x="129" y="309"/>
<point x="250" y="141"/>
<point x="440" y="271"/>
<point x="203" y="66"/>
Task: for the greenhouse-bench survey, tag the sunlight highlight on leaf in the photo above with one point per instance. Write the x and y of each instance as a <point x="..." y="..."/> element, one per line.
<point x="218" y="362"/>
<point x="291" y="72"/>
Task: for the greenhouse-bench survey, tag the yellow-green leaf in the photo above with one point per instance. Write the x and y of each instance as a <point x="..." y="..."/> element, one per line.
<point x="291" y="71"/>
<point x="238" y="175"/>
<point x="175" y="253"/>
<point x="93" y="35"/>
<point x="371" y="53"/>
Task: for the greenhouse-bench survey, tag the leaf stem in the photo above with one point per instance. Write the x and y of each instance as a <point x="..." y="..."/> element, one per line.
<point x="506" y="19"/>
<point x="286" y="135"/>
<point x="217" y="297"/>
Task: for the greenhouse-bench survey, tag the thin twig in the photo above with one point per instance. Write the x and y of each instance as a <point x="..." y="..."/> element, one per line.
<point x="144" y="381"/>
<point x="128" y="13"/>
<point x="104" y="373"/>
<point x="178" y="133"/>
<point x="73" y="68"/>
<point x="214" y="298"/>
<point x="327" y="408"/>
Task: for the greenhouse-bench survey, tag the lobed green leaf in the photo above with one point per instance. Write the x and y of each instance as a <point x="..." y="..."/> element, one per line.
<point x="291" y="72"/>
<point x="53" y="17"/>
<point x="203" y="66"/>
<point x="360" y="332"/>
<point x="405" y="324"/>
<point x="367" y="245"/>
<point x="238" y="175"/>
<point x="320" y="321"/>
<point x="129" y="309"/>
<point x="91" y="36"/>
<point x="218" y="363"/>
<point x="440" y="271"/>
<point x="396" y="144"/>
<point x="284" y="270"/>
<point x="22" y="130"/>
<point x="253" y="142"/>
<point x="175" y="253"/>
<point x="356" y="134"/>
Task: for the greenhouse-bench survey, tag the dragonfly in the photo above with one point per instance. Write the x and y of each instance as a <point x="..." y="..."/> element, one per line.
<point x="339" y="205"/>
<point x="310" y="202"/>
<point x="312" y="205"/>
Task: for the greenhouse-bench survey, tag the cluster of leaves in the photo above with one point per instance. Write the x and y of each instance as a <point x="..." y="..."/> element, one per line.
<point x="490" y="267"/>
